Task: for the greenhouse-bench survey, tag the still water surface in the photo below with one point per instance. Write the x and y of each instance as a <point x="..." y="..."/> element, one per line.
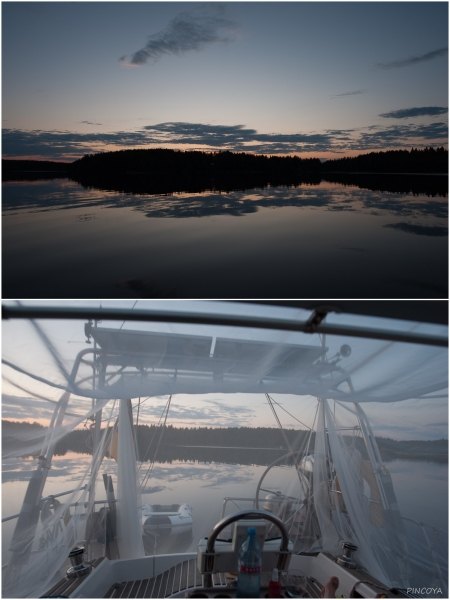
<point x="63" y="240"/>
<point x="421" y="488"/>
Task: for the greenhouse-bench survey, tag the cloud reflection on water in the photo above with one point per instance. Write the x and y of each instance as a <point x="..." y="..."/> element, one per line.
<point x="186" y="245"/>
<point x="335" y="197"/>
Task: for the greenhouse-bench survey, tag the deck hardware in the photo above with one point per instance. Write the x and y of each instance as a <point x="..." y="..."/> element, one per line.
<point x="346" y="559"/>
<point x="78" y="568"/>
<point x="317" y="316"/>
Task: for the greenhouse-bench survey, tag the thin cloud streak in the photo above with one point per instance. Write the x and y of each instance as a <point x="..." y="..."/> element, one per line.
<point x="350" y="93"/>
<point x="413" y="60"/>
<point x="407" y="113"/>
<point x="187" y="32"/>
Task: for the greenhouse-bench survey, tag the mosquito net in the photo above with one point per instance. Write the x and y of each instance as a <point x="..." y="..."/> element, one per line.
<point x="77" y="388"/>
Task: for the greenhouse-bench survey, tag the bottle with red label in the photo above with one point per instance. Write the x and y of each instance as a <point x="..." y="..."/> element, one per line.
<point x="249" y="567"/>
<point x="274" y="585"/>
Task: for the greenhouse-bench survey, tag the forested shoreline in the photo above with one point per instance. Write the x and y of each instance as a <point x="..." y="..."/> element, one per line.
<point x="243" y="445"/>
<point x="159" y="162"/>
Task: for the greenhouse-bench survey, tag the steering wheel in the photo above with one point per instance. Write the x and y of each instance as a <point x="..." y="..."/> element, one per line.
<point x="274" y="464"/>
<point x="244" y="514"/>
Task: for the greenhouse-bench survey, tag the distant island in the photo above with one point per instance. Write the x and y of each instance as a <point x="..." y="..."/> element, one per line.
<point x="243" y="445"/>
<point x="157" y="162"/>
<point x="167" y="172"/>
<point x="12" y="166"/>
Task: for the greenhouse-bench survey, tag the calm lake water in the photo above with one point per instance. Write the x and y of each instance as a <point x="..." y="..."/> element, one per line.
<point x="421" y="488"/>
<point x="330" y="240"/>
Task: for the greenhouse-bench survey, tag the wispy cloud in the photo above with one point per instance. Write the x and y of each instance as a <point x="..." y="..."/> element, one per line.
<point x="413" y="60"/>
<point x="407" y="113"/>
<point x="89" y="123"/>
<point x="193" y="30"/>
<point x="354" y="93"/>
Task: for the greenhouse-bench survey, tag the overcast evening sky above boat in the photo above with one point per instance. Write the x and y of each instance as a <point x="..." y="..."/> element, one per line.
<point x="322" y="79"/>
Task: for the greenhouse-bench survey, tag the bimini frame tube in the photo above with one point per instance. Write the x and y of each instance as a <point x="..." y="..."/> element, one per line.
<point x="311" y="325"/>
<point x="25" y="529"/>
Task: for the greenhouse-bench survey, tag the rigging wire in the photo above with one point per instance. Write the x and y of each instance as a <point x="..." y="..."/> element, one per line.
<point x="299" y="475"/>
<point x="286" y="411"/>
<point x="269" y="400"/>
<point x="125" y="319"/>
<point x="152" y="464"/>
<point x="312" y="429"/>
<point x="153" y="437"/>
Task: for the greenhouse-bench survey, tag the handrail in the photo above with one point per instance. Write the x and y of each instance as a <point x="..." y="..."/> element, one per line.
<point x="44" y="500"/>
<point x="423" y="524"/>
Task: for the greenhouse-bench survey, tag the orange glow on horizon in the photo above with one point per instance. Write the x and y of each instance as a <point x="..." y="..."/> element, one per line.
<point x="327" y="155"/>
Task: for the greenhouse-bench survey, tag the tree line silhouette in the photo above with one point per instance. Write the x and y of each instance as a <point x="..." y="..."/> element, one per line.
<point x="158" y="162"/>
<point x="427" y="160"/>
<point x="32" y="169"/>
<point x="235" y="445"/>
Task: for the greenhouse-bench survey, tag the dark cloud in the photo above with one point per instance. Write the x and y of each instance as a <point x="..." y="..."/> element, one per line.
<point x="401" y="136"/>
<point x="231" y="136"/>
<point x="406" y="113"/>
<point x="188" y="31"/>
<point x="60" y="144"/>
<point x="350" y="93"/>
<point x="413" y="60"/>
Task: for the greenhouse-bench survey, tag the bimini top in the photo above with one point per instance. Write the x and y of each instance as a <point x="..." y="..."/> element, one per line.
<point x="161" y="363"/>
<point x="199" y="348"/>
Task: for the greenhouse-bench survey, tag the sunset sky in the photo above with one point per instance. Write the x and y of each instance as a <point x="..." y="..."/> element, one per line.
<point x="324" y="79"/>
